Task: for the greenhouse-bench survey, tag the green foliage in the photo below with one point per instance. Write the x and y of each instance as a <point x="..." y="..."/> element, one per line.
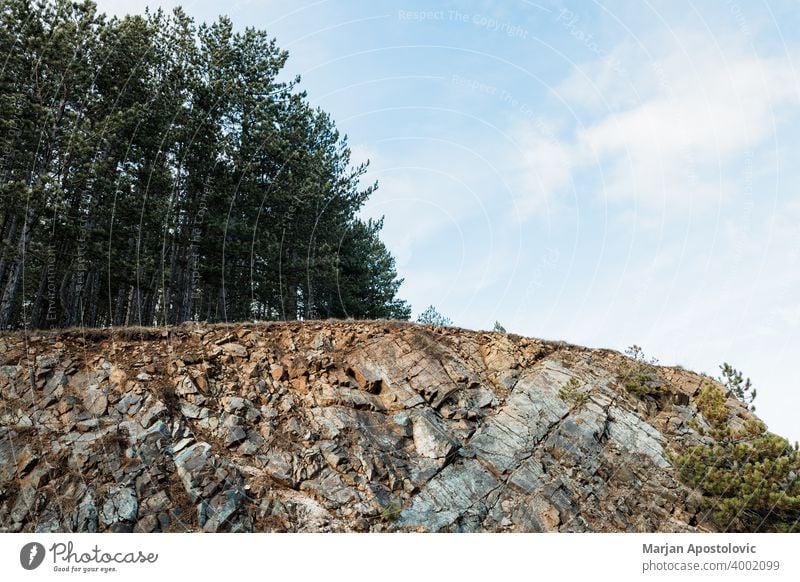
<point x="711" y="404"/>
<point x="154" y="170"/>
<point x="640" y="376"/>
<point x="431" y="316"/>
<point x="367" y="262"/>
<point x="499" y="328"/>
<point x="392" y="511"/>
<point x="571" y="392"/>
<point x="741" y="387"/>
<point x="750" y="478"/>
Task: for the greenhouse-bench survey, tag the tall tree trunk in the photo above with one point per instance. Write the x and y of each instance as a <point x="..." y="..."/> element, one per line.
<point x="93" y="299"/>
<point x="121" y="305"/>
<point x="39" y="312"/>
<point x="8" y="303"/>
<point x="129" y="306"/>
<point x="5" y="245"/>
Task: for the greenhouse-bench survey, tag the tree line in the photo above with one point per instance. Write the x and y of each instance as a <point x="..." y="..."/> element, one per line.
<point x="154" y="170"/>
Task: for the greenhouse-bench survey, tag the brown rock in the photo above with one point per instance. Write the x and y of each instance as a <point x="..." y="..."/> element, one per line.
<point x="300" y="384"/>
<point x="278" y="372"/>
<point x="26" y="459"/>
<point x="368" y="377"/>
<point x="117" y="377"/>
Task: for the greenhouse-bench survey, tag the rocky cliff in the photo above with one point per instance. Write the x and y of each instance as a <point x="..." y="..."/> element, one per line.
<point x="336" y="426"/>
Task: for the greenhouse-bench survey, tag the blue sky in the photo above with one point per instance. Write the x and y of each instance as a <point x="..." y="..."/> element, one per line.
<point x="605" y="174"/>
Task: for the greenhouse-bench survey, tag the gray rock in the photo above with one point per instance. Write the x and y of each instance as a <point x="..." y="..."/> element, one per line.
<point x="234" y="435"/>
<point x="29" y="492"/>
<point x="190" y="463"/>
<point x="24" y="502"/>
<point x="190" y="410"/>
<point x="280" y="466"/>
<point x="85" y="515"/>
<point x="120" y="505"/>
<point x="634" y="435"/>
<point x="531" y="410"/>
<point x="156" y="503"/>
<point x="253" y="443"/>
<point x="529" y="477"/>
<point x="9" y="372"/>
<point x="220" y="509"/>
<point x="341" y="396"/>
<point x="129" y="404"/>
<point x="49" y="522"/>
<point x="431" y="439"/>
<point x="87" y="425"/>
<point x="95" y="401"/>
<point x="234" y="420"/>
<point x="182" y="444"/>
<point x="321" y="342"/>
<point x="53" y="388"/>
<point x="253" y="415"/>
<point x="186" y="387"/>
<point x="138" y="434"/>
<point x="157" y="410"/>
<point x="235" y="404"/>
<point x="455" y="500"/>
<point x="234" y="349"/>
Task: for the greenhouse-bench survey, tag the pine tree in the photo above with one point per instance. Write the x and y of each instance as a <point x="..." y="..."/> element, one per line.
<point x="154" y="171"/>
<point x="750" y="478"/>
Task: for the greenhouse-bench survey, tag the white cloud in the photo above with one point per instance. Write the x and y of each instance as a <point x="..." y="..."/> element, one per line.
<point x="545" y="168"/>
<point x="668" y="136"/>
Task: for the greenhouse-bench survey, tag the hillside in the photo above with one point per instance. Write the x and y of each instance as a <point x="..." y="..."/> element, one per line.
<point x="337" y="426"/>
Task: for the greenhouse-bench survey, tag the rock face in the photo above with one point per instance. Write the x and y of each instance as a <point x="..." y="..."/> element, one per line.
<point x="335" y="426"/>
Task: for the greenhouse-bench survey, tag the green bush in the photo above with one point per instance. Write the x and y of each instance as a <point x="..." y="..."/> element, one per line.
<point x="498" y="327"/>
<point x="639" y="376"/>
<point x="711" y="404"/>
<point x="570" y="392"/>
<point x="431" y="316"/>
<point x="750" y="478"/>
<point x="392" y="511"/>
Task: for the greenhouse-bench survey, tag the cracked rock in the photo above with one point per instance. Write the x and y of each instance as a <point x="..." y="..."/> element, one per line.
<point x="344" y="426"/>
<point x="120" y="505"/>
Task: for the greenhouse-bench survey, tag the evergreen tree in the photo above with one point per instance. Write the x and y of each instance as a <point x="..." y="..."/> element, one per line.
<point x="750" y="478"/>
<point x="431" y="316"/>
<point x="155" y="171"/>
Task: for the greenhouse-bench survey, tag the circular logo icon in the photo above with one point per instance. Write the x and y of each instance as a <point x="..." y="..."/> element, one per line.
<point x="31" y="555"/>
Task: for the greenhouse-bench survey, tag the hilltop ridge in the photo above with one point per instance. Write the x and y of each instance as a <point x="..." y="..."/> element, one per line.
<point x="339" y="426"/>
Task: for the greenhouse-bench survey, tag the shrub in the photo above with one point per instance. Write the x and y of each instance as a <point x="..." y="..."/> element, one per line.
<point x="431" y="316"/>
<point x="392" y="511"/>
<point x="711" y="404"/>
<point x="570" y="392"/>
<point x="498" y="327"/>
<point x="640" y="376"/>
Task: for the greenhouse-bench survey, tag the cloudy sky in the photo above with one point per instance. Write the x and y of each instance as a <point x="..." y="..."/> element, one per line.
<point x="601" y="173"/>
